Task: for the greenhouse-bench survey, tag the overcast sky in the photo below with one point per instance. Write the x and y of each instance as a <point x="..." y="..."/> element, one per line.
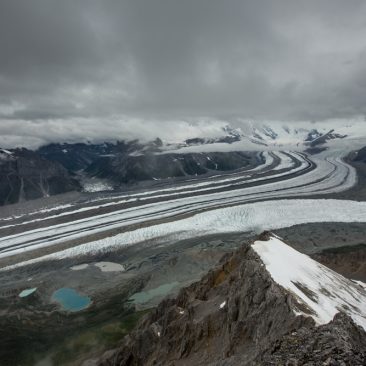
<point x="97" y="68"/>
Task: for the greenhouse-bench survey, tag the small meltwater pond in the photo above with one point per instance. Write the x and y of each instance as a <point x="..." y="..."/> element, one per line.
<point x="145" y="296"/>
<point x="70" y="299"/>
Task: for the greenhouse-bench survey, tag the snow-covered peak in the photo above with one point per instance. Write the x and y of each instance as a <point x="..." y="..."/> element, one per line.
<point x="320" y="292"/>
<point x="299" y="133"/>
<point x="253" y="136"/>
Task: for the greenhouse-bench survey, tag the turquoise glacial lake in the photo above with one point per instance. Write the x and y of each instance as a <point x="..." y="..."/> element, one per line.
<point x="70" y="299"/>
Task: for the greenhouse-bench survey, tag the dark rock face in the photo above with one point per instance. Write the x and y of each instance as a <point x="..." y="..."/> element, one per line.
<point x="237" y="315"/>
<point x="231" y="135"/>
<point x="340" y="342"/>
<point x="130" y="168"/>
<point x="315" y="150"/>
<point x="361" y="155"/>
<point x="24" y="175"/>
<point x="348" y="261"/>
<point x="79" y="156"/>
<point x="229" y="139"/>
<point x="131" y="161"/>
<point x="73" y="157"/>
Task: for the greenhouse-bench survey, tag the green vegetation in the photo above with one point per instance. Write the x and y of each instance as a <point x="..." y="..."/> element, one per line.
<point x="94" y="340"/>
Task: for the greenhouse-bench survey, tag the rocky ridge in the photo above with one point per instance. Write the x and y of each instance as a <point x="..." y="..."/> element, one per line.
<point x="238" y="315"/>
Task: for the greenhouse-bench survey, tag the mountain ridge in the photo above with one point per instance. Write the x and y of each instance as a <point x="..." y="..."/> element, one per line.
<point x="238" y="314"/>
<point x="109" y="166"/>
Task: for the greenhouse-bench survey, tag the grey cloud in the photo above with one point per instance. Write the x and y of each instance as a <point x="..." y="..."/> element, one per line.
<point x="173" y="59"/>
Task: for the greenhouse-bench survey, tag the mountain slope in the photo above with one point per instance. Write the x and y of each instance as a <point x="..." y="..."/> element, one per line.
<point x="25" y="175"/>
<point x="238" y="314"/>
<point x="134" y="168"/>
<point x="79" y="156"/>
<point x="106" y="166"/>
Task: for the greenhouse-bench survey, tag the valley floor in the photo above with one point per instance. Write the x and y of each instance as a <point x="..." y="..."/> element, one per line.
<point x="127" y="251"/>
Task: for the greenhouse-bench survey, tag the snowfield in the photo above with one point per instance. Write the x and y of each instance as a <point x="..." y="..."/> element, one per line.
<point x="326" y="176"/>
<point x="277" y="135"/>
<point x="323" y="291"/>
<point x="255" y="217"/>
<point x="235" y="202"/>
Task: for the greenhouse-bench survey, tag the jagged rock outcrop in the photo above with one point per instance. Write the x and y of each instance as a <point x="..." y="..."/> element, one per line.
<point x="238" y="315"/>
<point x="340" y="342"/>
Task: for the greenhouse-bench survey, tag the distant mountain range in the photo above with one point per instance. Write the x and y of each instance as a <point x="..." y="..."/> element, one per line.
<point x="63" y="167"/>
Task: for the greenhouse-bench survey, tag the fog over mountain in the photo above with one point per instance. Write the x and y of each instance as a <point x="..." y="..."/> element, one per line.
<point x="73" y="70"/>
<point x="182" y="182"/>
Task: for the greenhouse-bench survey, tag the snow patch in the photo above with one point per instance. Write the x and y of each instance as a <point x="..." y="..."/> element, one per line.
<point x="27" y="292"/>
<point x="97" y="187"/>
<point x="110" y="267"/>
<point x="79" y="267"/>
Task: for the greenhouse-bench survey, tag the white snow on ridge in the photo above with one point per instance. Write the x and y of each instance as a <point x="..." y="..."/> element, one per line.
<point x="260" y="216"/>
<point x="323" y="291"/>
<point x="278" y="135"/>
